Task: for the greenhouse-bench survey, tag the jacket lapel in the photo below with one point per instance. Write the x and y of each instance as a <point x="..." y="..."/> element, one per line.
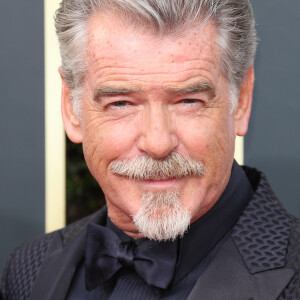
<point x="251" y="262"/>
<point x="228" y="278"/>
<point x="62" y="259"/>
<point x="58" y="269"/>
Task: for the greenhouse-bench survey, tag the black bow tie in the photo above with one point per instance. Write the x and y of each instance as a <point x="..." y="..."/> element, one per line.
<point x="105" y="254"/>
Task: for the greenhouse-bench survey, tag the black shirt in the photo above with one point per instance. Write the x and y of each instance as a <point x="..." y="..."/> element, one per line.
<point x="194" y="251"/>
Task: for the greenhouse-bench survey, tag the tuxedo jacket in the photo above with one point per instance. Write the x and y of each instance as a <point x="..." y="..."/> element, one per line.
<point x="259" y="260"/>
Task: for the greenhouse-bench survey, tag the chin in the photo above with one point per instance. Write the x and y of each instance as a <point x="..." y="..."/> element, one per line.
<point x="162" y="216"/>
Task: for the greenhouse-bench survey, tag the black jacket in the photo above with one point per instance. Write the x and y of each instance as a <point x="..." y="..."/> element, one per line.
<point x="260" y="259"/>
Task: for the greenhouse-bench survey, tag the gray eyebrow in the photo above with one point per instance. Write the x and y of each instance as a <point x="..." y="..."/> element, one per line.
<point x="102" y="91"/>
<point x="193" y="88"/>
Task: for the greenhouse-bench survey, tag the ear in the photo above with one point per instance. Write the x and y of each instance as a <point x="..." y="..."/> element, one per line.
<point x="243" y="109"/>
<point x="71" y="122"/>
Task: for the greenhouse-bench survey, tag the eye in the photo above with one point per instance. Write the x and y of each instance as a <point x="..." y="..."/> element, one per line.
<point x="119" y="103"/>
<point x="190" y="105"/>
<point x="190" y="101"/>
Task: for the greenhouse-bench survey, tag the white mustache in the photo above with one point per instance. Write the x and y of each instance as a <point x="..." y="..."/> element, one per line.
<point x="174" y="165"/>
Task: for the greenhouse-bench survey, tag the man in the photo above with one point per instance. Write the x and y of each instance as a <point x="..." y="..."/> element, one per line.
<point x="156" y="91"/>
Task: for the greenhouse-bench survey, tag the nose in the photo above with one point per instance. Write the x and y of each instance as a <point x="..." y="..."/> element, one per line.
<point x="158" y="137"/>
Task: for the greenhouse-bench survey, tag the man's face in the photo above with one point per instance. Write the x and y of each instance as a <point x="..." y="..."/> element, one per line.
<point x="151" y="96"/>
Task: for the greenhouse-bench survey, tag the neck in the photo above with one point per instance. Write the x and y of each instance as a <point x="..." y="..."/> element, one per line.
<point x="124" y="223"/>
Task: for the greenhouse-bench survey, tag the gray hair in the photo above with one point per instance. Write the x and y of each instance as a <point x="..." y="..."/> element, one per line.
<point x="234" y="21"/>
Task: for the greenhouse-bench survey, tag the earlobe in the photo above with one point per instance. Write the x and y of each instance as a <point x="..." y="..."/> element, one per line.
<point x="243" y="110"/>
<point x="71" y="122"/>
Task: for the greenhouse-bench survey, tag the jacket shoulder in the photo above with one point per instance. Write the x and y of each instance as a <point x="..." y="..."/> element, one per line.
<point x="22" y="268"/>
<point x="23" y="265"/>
<point x="292" y="291"/>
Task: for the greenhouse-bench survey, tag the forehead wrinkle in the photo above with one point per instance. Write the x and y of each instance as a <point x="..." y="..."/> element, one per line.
<point x="110" y="62"/>
<point x="113" y="84"/>
<point x="130" y="66"/>
<point x="126" y="77"/>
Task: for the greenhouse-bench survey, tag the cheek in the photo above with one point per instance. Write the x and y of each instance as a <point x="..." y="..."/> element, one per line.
<point x="208" y="139"/>
<point x="104" y="142"/>
<point x="92" y="150"/>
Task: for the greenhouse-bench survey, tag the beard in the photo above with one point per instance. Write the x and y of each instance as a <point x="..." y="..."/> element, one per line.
<point x="162" y="216"/>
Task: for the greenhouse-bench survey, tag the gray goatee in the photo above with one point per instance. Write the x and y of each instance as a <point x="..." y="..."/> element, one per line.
<point x="161" y="215"/>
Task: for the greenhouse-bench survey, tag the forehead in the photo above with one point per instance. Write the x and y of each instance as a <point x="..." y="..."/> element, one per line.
<point x="116" y="52"/>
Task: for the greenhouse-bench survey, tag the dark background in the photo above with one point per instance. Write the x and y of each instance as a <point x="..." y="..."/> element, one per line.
<point x="273" y="140"/>
<point x="22" y="188"/>
<point x="272" y="143"/>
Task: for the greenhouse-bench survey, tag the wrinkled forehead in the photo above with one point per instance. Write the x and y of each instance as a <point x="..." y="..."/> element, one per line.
<point x="111" y="40"/>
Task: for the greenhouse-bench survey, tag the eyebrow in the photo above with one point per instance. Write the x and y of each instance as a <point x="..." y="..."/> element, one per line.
<point x="103" y="90"/>
<point x="193" y="88"/>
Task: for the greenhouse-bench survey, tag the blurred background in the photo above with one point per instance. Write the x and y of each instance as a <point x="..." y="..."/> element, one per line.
<point x="44" y="182"/>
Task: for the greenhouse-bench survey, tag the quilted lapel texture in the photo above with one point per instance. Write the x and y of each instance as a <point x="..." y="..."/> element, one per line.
<point x="262" y="232"/>
<point x="23" y="267"/>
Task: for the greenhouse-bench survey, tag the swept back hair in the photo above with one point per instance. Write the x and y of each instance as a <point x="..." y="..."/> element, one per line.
<point x="234" y="21"/>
